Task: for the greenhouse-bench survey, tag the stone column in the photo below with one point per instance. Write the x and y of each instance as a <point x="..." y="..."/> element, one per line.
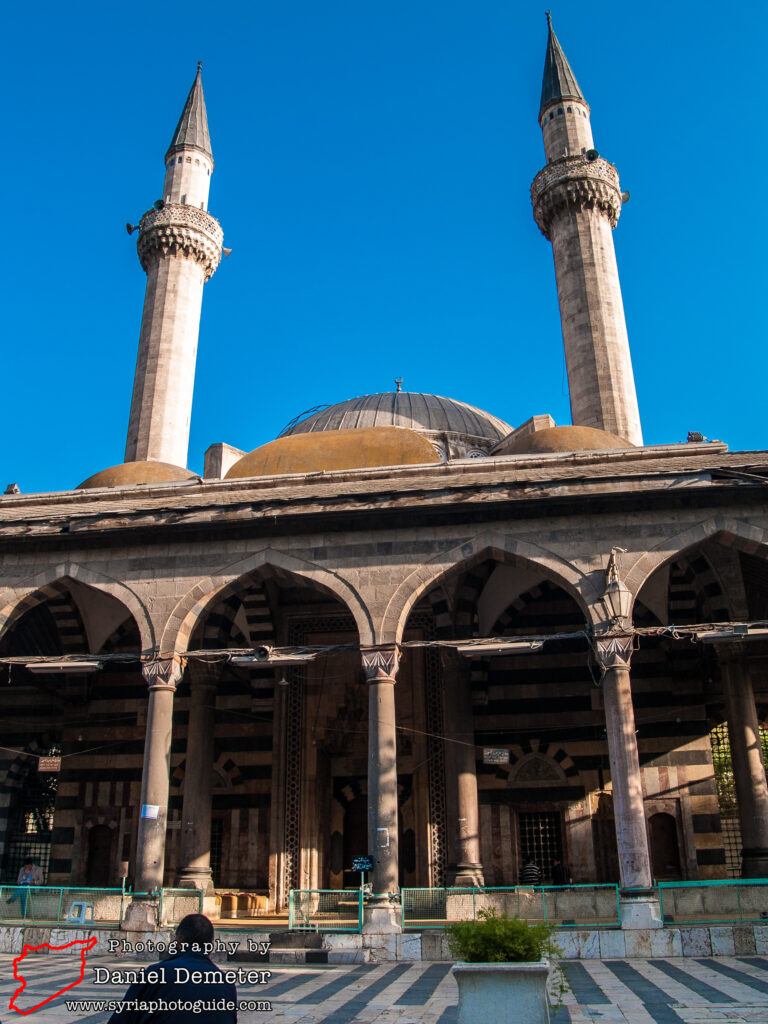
<point x="746" y="755"/>
<point x="381" y="665"/>
<point x="162" y="677"/>
<point x="195" y="868"/>
<point x="640" y="907"/>
<point x="462" y="804"/>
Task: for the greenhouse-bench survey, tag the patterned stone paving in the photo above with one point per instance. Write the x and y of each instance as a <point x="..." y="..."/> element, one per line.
<point x="732" y="990"/>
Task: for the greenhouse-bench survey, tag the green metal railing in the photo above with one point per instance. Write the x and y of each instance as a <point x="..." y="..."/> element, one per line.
<point x="338" y="910"/>
<point x="574" y="906"/>
<point x="88" y="907"/>
<point x="726" y="901"/>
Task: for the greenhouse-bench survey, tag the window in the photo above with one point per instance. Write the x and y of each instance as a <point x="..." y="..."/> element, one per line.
<point x="570" y="110"/>
<point x="559" y="110"/>
<point x="726" y="794"/>
<point x="30" y="821"/>
<point x="180" y="160"/>
<point x="541" y="840"/>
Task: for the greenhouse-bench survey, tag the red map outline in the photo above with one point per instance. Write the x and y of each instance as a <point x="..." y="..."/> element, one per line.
<point x="86" y="944"/>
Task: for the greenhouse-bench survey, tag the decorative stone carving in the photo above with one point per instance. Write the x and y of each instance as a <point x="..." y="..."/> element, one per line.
<point x="612" y="651"/>
<point x="575" y="181"/>
<point x="538" y="769"/>
<point x="180" y="230"/>
<point x="380" y="663"/>
<point x="163" y="673"/>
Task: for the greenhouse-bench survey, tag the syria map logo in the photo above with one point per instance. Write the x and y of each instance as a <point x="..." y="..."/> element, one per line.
<point x="84" y="944"/>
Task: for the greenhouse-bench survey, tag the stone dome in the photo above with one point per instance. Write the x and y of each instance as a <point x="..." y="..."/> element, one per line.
<point x="562" y="439"/>
<point x="129" y="473"/>
<point x="456" y="428"/>
<point x="330" y="450"/>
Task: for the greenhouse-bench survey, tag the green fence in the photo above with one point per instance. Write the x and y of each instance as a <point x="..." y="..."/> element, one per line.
<point x="86" y="907"/>
<point x="575" y="906"/>
<point x="718" y="902"/>
<point x="328" y="910"/>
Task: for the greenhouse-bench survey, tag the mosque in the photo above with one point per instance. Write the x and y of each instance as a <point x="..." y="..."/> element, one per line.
<point x="404" y="628"/>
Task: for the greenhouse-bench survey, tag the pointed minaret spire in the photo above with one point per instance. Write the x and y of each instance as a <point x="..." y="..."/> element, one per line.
<point x="192" y="129"/>
<point x="576" y="202"/>
<point x="559" y="81"/>
<point x="179" y="247"/>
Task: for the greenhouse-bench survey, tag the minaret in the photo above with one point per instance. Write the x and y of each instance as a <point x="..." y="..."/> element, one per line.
<point x="576" y="203"/>
<point x="179" y="247"/>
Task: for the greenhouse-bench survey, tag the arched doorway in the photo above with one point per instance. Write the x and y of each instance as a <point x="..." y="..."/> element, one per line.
<point x="99" y="860"/>
<point x="355" y="837"/>
<point x="665" y="848"/>
<point x="49" y="811"/>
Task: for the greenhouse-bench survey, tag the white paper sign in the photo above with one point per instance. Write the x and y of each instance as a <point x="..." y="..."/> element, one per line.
<point x="150" y="810"/>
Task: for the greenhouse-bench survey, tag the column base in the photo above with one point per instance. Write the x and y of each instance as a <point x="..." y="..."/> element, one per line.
<point x="468" y="875"/>
<point x="194" y="878"/>
<point x="754" y="862"/>
<point x="381" y="917"/>
<point x="640" y="912"/>
<point x="141" y="916"/>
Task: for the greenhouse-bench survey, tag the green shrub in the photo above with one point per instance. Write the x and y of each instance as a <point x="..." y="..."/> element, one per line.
<point x="498" y="938"/>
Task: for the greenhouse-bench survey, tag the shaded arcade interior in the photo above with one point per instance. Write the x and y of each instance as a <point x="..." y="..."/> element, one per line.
<point x="284" y="774"/>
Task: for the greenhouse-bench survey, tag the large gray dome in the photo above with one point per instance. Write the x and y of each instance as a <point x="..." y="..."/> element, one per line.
<point x="454" y="427"/>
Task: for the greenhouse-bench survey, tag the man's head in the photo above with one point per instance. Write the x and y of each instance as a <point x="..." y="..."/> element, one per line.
<point x="194" y="931"/>
<point x="29" y="863"/>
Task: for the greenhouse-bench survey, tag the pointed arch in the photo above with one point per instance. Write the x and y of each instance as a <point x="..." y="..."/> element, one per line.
<point x="235" y="579"/>
<point x="502" y="548"/>
<point x="14" y="602"/>
<point x="727" y="530"/>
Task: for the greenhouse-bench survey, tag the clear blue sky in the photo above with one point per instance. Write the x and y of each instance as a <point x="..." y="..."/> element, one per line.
<point x="373" y="162"/>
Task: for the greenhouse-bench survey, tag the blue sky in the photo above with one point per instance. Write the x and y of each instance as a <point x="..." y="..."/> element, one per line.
<point x="373" y="162"/>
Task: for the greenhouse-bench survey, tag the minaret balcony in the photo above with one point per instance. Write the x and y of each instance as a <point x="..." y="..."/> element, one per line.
<point x="178" y="230"/>
<point x="575" y="181"/>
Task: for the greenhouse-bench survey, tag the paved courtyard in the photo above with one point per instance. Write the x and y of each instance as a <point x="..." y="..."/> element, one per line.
<point x="695" y="991"/>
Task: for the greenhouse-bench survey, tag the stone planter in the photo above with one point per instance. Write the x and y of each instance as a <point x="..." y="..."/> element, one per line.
<point x="503" y="992"/>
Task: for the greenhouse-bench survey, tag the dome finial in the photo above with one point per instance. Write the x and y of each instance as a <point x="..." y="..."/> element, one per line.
<point x="399" y="383"/>
<point x="549" y="19"/>
<point x="199" y="66"/>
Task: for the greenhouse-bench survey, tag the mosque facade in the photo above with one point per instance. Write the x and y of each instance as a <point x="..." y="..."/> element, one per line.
<point x="405" y="628"/>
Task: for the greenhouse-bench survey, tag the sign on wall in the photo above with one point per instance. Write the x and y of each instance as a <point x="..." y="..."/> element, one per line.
<point x="495" y="755"/>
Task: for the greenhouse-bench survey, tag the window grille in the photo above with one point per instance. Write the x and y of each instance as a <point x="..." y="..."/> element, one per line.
<point x="541" y="839"/>
<point x="30" y="821"/>
<point x="726" y="794"/>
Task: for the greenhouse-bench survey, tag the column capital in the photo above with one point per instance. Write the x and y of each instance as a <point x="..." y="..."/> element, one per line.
<point x="380" y="663"/>
<point x="613" y="651"/>
<point x="163" y="673"/>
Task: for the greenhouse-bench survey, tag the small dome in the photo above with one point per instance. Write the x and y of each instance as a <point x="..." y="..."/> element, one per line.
<point x="129" y="473"/>
<point x="430" y="415"/>
<point x="336" y="449"/>
<point x="562" y="439"/>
